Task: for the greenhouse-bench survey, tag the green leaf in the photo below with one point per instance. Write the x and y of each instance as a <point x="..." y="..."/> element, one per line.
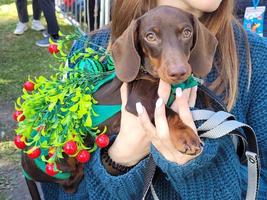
<point x="43" y="158"/>
<point x="19" y="101"/>
<point x="29" y="78"/>
<point x="81" y="113"/>
<point x="94" y="113"/>
<point x="44" y="144"/>
<point x="74" y="108"/>
<point x="41" y="79"/>
<point x="88" y="121"/>
<point x="59" y="155"/>
<point x="36" y="137"/>
<point x="87" y="97"/>
<point x="54" y="99"/>
<point x="63" y="110"/>
<point x="16" y="107"/>
<point x="66" y="120"/>
<point x="51" y="106"/>
<point x="75" y="99"/>
<point x="94" y="101"/>
<point x="61" y="98"/>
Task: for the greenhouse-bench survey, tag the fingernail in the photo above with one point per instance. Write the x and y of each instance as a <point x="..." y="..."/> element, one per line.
<point x="159" y="102"/>
<point x="139" y="108"/>
<point x="179" y="92"/>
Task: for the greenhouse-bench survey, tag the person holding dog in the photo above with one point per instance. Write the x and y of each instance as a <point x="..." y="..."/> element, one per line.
<point x="238" y="77"/>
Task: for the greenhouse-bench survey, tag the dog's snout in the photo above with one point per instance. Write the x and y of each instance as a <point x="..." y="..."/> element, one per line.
<point x="177" y="72"/>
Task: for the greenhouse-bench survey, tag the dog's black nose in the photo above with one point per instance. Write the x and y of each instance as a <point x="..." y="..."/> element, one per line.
<point x="177" y="73"/>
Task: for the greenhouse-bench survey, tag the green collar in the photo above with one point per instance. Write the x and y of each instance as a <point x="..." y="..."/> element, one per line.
<point x="105" y="112"/>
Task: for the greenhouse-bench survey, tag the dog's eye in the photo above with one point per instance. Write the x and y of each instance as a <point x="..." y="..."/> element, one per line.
<point x="151" y="37"/>
<point x="187" y="32"/>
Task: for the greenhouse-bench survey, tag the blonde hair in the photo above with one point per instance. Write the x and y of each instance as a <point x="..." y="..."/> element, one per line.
<point x="219" y="22"/>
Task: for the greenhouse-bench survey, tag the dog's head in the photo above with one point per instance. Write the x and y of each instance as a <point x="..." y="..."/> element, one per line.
<point x="168" y="42"/>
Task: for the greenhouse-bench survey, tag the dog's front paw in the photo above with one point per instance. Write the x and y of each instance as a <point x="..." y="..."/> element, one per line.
<point x="183" y="137"/>
<point x="186" y="141"/>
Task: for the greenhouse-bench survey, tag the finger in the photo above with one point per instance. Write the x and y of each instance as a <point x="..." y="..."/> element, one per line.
<point x="144" y="120"/>
<point x="190" y="94"/>
<point x="151" y="131"/>
<point x="162" y="127"/>
<point x="186" y="93"/>
<point x="124" y="94"/>
<point x="175" y="105"/>
<point x="164" y="90"/>
<point x="183" y="109"/>
<point x="161" y="120"/>
<point x="193" y="97"/>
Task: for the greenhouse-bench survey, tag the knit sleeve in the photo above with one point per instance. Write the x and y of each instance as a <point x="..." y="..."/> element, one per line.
<point x="102" y="185"/>
<point x="56" y="192"/>
<point x="214" y="174"/>
<point x="257" y="112"/>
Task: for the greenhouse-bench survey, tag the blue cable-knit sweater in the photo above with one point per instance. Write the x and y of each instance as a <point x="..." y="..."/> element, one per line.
<point x="215" y="174"/>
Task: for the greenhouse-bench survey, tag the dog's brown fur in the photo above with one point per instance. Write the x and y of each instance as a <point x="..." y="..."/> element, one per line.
<point x="181" y="46"/>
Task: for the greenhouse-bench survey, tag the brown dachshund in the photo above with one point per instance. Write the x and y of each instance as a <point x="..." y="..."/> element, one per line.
<point x="166" y="43"/>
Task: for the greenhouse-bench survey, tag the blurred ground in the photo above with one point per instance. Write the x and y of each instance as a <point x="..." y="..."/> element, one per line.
<point x="19" y="57"/>
<point x="12" y="184"/>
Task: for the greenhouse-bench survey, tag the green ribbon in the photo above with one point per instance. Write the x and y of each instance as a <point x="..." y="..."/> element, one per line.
<point x="189" y="83"/>
<point x="104" y="112"/>
<point x="26" y="175"/>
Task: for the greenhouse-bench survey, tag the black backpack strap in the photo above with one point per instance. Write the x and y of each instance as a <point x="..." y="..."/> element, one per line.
<point x="204" y="93"/>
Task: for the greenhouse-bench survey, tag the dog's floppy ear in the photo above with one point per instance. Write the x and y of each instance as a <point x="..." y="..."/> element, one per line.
<point x="202" y="54"/>
<point x="126" y="58"/>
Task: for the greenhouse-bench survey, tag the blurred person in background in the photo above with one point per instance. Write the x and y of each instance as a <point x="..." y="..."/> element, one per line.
<point x="23" y="16"/>
<point x="48" y="8"/>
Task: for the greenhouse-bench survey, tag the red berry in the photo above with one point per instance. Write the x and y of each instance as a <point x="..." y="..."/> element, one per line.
<point x="83" y="156"/>
<point x="35" y="153"/>
<point x="70" y="147"/>
<point x="29" y="86"/>
<point x="19" y="142"/>
<point x="17" y="116"/>
<point x="50" y="169"/>
<point x="102" y="141"/>
<point x="52" y="48"/>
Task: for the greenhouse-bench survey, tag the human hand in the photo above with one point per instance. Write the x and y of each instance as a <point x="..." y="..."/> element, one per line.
<point x="132" y="143"/>
<point x="159" y="134"/>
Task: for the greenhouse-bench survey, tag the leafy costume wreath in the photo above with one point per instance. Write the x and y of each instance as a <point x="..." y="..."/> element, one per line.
<point x="56" y="115"/>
